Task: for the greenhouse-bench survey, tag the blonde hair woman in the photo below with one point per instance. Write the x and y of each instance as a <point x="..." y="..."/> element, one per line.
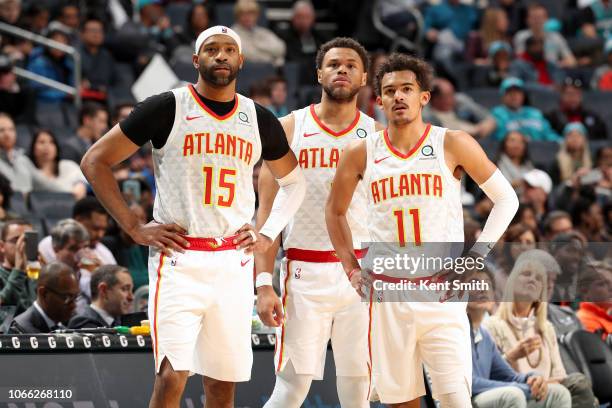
<point x="494" y="27"/>
<point x="574" y="157"/>
<point x="527" y="339"/>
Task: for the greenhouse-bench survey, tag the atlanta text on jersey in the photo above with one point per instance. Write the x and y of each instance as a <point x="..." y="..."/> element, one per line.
<point x="406" y="185"/>
<point x="221" y="143"/>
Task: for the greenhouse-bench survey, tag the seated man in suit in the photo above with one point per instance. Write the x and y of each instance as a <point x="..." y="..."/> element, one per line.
<point x="111" y="291"/>
<point x="56" y="294"/>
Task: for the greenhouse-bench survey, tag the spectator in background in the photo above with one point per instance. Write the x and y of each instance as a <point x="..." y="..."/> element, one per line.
<point x="156" y="24"/>
<point x="574" y="157"/>
<point x="493" y="27"/>
<point x="36" y="18"/>
<point x="6" y="193"/>
<point x="127" y="252"/>
<point x="513" y="158"/>
<point x="514" y="115"/>
<point x="122" y="111"/>
<point x="70" y="16"/>
<point x="571" y="109"/>
<point x="536" y="189"/>
<point x="526" y="215"/>
<point x="533" y="68"/>
<point x="93" y="123"/>
<point x="399" y="16"/>
<point x="56" y="293"/>
<point x="15" y="165"/>
<point x="13" y="99"/>
<point x="555" y="223"/>
<point x="517" y="239"/>
<point x="527" y="340"/>
<point x="496" y="384"/>
<point x="198" y="20"/>
<point x="447" y="26"/>
<point x="303" y="41"/>
<point x="14" y="284"/>
<point x="595" y="288"/>
<point x="66" y="174"/>
<point x="67" y="238"/>
<point x="500" y="58"/>
<point x="53" y="64"/>
<point x="588" y="219"/>
<point x="278" y="96"/>
<point x="602" y="77"/>
<point x="563" y="318"/>
<point x="260" y="93"/>
<point x="259" y="44"/>
<point x="556" y="49"/>
<point x="602" y="175"/>
<point x="457" y="110"/>
<point x="98" y="65"/>
<point x="111" y="297"/>
<point x="366" y="99"/>
<point x="569" y="249"/>
<point x="597" y="19"/>
<point x="515" y="11"/>
<point x="10" y="10"/>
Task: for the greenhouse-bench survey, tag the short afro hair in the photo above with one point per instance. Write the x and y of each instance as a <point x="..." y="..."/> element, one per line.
<point x="403" y="62"/>
<point x="343" y="42"/>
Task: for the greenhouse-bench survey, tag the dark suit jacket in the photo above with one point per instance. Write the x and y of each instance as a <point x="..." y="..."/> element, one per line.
<point x="28" y="322"/>
<point x="88" y="319"/>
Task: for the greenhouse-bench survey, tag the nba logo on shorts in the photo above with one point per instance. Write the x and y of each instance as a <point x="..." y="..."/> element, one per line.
<point x="298" y="273"/>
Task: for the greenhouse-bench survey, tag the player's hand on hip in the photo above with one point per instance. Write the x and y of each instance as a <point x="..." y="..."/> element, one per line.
<point x="165" y="237"/>
<point x="269" y="307"/>
<point x="250" y="240"/>
<point x="451" y="276"/>
<point x="361" y="281"/>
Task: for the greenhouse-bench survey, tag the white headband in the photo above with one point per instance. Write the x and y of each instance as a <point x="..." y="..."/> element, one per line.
<point x="216" y="30"/>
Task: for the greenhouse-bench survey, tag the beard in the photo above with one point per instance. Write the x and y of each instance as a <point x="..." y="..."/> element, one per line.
<point x="341" y="95"/>
<point x="208" y="74"/>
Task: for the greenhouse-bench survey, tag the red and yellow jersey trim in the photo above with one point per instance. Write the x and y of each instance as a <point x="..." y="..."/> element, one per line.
<point x="328" y="130"/>
<point x="209" y="111"/>
<point x="412" y="151"/>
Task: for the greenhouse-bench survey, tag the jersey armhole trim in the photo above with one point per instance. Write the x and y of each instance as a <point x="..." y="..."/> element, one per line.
<point x="445" y="169"/>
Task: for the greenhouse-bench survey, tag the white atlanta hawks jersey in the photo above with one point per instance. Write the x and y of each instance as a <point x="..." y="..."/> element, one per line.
<point x="412" y="197"/>
<point x="204" y="172"/>
<point x="318" y="150"/>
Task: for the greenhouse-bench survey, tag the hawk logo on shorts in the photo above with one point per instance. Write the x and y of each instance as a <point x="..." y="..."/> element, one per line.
<point x="173" y="261"/>
<point x="298" y="273"/>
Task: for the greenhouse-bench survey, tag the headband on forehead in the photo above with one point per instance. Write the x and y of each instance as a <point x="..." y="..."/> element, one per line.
<point x="217" y="30"/>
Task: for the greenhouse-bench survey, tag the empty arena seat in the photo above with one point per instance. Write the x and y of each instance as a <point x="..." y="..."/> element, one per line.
<point x="51" y="205"/>
<point x="251" y="73"/>
<point x="177" y="13"/>
<point x="487" y="97"/>
<point x="543" y="99"/>
<point x="490" y="147"/>
<point x="543" y="153"/>
<point x="594" y="358"/>
<point x="18" y="204"/>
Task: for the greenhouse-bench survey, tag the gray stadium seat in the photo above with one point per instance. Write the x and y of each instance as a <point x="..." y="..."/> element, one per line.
<point x="18" y="204"/>
<point x="594" y="358"/>
<point x="490" y="147"/>
<point x="51" y="205"/>
<point x="600" y="102"/>
<point x="177" y="13"/>
<point x="543" y="99"/>
<point x="487" y="97"/>
<point x="543" y="154"/>
<point x="185" y="71"/>
<point x="251" y="73"/>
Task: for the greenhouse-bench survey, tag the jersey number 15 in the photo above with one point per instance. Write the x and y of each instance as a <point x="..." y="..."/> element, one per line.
<point x="220" y="190"/>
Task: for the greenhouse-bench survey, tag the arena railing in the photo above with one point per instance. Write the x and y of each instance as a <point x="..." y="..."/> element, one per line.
<point x="39" y="39"/>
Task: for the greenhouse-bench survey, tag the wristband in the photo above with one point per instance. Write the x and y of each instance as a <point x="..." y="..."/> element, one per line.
<point x="350" y="274"/>
<point x="263" y="279"/>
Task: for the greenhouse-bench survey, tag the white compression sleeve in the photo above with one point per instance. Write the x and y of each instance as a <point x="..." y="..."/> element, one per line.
<point x="286" y="203"/>
<point x="505" y="205"/>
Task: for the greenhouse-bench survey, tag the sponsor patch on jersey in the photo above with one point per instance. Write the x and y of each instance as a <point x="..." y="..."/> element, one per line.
<point x="243" y="119"/>
<point x="427" y="153"/>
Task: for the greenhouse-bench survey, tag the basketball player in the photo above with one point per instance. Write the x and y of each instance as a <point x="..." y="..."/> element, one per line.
<point x="319" y="301"/>
<point x="206" y="140"/>
<point x="403" y="335"/>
